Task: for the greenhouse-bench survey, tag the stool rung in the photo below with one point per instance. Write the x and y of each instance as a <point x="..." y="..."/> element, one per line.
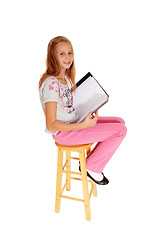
<point x="77" y="173"/>
<point x="89" y="181"/>
<point x="76" y="178"/>
<point x="92" y="188"/>
<point x="75" y="158"/>
<point x="64" y="165"/>
<point x="72" y="198"/>
<point x="63" y="188"/>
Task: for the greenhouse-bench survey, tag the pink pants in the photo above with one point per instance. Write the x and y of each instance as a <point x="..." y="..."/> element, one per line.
<point x="108" y="133"/>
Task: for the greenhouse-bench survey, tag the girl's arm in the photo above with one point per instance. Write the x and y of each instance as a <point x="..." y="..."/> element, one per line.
<point x="54" y="125"/>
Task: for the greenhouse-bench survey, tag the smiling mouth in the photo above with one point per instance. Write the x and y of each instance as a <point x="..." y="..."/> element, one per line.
<point x="67" y="63"/>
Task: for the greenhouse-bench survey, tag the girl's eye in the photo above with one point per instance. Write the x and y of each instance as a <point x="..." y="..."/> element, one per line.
<point x="62" y="53"/>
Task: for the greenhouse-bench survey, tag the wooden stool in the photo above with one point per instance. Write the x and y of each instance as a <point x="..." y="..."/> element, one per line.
<point x="60" y="169"/>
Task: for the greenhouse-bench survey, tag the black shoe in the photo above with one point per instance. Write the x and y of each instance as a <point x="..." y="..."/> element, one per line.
<point x="104" y="181"/>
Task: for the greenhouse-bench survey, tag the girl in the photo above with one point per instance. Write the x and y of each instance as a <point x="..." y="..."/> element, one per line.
<point x="56" y="87"/>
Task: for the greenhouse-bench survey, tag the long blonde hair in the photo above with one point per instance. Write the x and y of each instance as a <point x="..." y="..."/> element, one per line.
<point x="52" y="65"/>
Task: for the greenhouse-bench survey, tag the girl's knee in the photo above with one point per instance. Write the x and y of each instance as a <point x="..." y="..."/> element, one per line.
<point x="123" y="130"/>
<point x="120" y="120"/>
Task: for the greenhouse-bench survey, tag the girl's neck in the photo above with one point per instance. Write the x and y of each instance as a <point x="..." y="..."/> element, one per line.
<point x="62" y="74"/>
<point x="61" y="78"/>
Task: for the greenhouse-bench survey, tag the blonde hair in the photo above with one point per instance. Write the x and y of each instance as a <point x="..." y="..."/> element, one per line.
<point x="52" y="65"/>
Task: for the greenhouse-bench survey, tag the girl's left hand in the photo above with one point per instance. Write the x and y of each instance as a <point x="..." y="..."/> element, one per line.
<point x="90" y="120"/>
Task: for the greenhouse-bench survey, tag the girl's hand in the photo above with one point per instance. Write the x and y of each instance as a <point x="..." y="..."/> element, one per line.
<point x="90" y="121"/>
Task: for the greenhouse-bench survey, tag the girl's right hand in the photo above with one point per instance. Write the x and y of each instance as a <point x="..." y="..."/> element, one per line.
<point x="90" y="121"/>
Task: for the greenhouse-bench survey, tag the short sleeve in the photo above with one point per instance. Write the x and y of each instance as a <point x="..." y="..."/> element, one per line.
<point x="50" y="92"/>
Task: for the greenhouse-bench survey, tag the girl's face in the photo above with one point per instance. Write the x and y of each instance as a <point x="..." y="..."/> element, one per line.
<point x="65" y="56"/>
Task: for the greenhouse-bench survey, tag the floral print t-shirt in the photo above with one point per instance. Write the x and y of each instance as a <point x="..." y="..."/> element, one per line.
<point x="53" y="90"/>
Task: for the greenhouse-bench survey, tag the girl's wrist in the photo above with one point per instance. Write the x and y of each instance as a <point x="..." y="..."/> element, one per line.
<point x="82" y="125"/>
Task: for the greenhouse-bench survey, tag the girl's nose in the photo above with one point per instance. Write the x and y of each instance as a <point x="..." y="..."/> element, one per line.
<point x="67" y="55"/>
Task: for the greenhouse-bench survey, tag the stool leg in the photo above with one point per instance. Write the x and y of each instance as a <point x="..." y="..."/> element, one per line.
<point x="68" y="168"/>
<point x="88" y="150"/>
<point x="59" y="180"/>
<point x="94" y="188"/>
<point x="92" y="182"/>
<point x="85" y="185"/>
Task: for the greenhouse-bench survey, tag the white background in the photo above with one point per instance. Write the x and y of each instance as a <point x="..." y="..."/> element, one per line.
<point x="117" y="41"/>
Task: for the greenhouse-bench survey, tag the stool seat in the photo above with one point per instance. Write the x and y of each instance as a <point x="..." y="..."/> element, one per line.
<point x="66" y="168"/>
<point x="74" y="147"/>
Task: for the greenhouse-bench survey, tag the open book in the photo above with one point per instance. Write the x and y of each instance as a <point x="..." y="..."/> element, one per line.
<point x="89" y="96"/>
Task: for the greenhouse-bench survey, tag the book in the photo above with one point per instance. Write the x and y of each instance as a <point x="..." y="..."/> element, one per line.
<point x="89" y="96"/>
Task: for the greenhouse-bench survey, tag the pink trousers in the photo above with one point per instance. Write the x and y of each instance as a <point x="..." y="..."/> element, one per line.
<point x="108" y="133"/>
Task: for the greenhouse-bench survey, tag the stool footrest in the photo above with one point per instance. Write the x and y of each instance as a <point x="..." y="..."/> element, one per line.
<point x="76" y="178"/>
<point x="63" y="188"/>
<point x="75" y="158"/>
<point x="80" y="179"/>
<point x="90" y="194"/>
<point x="65" y="171"/>
<point x="64" y="165"/>
<point x="72" y="198"/>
